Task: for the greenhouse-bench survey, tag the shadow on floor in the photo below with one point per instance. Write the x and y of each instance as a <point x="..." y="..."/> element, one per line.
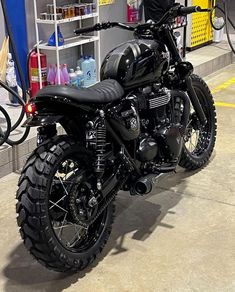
<point x="141" y="215"/>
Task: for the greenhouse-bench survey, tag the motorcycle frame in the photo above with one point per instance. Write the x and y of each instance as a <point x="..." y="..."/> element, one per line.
<point x="162" y="32"/>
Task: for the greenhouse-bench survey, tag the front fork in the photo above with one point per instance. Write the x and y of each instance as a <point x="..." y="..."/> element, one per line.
<point x="184" y="71"/>
<point x="195" y="101"/>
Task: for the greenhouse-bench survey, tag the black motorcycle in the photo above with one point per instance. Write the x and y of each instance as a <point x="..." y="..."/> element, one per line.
<point x="148" y="115"/>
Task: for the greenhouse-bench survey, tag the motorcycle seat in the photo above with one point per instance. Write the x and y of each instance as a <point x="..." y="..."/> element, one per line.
<point x="103" y="92"/>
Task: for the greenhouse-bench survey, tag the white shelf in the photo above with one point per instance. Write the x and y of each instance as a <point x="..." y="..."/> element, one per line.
<point x="67" y="20"/>
<point x="70" y="43"/>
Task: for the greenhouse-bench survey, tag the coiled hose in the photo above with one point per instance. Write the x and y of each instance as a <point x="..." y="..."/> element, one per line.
<point x="4" y="137"/>
<point x="224" y="10"/>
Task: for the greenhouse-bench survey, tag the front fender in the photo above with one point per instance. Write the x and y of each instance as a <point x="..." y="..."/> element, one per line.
<point x="38" y="121"/>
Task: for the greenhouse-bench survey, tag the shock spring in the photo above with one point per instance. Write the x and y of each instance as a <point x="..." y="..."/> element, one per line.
<point x="100" y="148"/>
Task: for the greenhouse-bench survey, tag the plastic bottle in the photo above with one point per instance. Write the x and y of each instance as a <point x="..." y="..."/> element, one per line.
<point x="11" y="79"/>
<point x="80" y="61"/>
<point x="80" y="77"/>
<point x="86" y="68"/>
<point x="59" y="72"/>
<point x="51" y="75"/>
<point x="52" y="39"/>
<point x="218" y="34"/>
<point x="66" y="74"/>
<point x="73" y="78"/>
<point x="93" y="70"/>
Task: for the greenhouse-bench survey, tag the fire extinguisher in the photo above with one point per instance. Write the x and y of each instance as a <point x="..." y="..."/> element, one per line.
<point x="34" y="80"/>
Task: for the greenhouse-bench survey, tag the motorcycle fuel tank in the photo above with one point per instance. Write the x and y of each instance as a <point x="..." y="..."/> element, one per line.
<point x="136" y="63"/>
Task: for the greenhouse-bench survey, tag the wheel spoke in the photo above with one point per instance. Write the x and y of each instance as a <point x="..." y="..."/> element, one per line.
<point x="62" y="227"/>
<point x="63" y="185"/>
<point x="70" y="180"/>
<point x="191" y="140"/>
<point x="76" y="237"/>
<point x="65" y="226"/>
<point x="56" y="204"/>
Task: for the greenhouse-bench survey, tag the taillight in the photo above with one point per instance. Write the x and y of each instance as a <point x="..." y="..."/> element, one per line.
<point x="30" y="108"/>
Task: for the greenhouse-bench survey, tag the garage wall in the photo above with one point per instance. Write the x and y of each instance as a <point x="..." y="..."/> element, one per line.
<point x="109" y="39"/>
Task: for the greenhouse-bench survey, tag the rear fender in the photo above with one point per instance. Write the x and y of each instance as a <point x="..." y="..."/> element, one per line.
<point x="41" y="121"/>
<point x="72" y="127"/>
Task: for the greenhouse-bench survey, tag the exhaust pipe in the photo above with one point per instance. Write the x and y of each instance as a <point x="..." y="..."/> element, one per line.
<point x="144" y="185"/>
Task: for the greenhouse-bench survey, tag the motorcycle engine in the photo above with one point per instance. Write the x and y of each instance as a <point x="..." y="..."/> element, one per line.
<point x="151" y="119"/>
<point x="160" y="140"/>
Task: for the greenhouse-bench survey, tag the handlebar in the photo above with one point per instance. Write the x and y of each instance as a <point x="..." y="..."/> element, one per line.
<point x="192" y="9"/>
<point x="103" y="26"/>
<point x="188" y="10"/>
<point x="176" y="10"/>
<point x="85" y="30"/>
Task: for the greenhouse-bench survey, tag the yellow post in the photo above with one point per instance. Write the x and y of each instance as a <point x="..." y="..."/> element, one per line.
<point x="200" y="31"/>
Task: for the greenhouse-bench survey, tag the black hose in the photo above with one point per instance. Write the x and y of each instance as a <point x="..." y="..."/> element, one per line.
<point x="227" y="28"/>
<point x="5" y="135"/>
<point x="227" y="20"/>
<point x="21" y="140"/>
<point x="22" y="81"/>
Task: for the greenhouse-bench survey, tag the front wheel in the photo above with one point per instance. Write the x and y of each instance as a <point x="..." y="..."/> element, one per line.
<point x="56" y="202"/>
<point x="199" y="141"/>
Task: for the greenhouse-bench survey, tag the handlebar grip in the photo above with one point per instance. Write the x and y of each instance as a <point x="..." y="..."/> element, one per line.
<point x="85" y="30"/>
<point x="189" y="10"/>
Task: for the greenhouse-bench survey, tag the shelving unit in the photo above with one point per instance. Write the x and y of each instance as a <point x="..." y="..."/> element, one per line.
<point x="66" y="20"/>
<point x="71" y="42"/>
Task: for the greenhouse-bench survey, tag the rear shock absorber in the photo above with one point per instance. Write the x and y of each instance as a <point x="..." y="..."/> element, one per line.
<point x="100" y="149"/>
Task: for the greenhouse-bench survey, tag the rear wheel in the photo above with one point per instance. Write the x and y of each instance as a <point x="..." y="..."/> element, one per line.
<point x="56" y="202"/>
<point x="199" y="141"/>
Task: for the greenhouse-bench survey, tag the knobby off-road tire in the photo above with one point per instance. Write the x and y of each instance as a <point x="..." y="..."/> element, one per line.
<point x="33" y="209"/>
<point x="204" y="146"/>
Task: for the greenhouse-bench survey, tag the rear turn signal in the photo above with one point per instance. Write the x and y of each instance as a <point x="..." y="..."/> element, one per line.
<point x="30" y="108"/>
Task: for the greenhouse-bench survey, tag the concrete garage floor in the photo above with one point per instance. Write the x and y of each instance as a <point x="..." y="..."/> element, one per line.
<point x="180" y="238"/>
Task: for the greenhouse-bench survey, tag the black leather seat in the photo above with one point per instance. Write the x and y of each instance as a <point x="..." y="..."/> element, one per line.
<point x="104" y="92"/>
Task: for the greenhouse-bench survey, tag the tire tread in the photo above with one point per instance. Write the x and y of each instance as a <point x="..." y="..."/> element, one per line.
<point x="31" y="209"/>
<point x="187" y="161"/>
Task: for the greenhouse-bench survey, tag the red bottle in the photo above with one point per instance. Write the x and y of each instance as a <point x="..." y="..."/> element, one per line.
<point x="34" y="72"/>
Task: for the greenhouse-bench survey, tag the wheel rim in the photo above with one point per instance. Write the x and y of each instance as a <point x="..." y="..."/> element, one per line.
<point x="67" y="178"/>
<point x="198" y="138"/>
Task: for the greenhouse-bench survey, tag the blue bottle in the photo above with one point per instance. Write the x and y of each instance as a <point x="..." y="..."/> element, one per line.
<point x="80" y="77"/>
<point x="86" y="69"/>
<point x="52" y="39"/>
<point x="93" y="70"/>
